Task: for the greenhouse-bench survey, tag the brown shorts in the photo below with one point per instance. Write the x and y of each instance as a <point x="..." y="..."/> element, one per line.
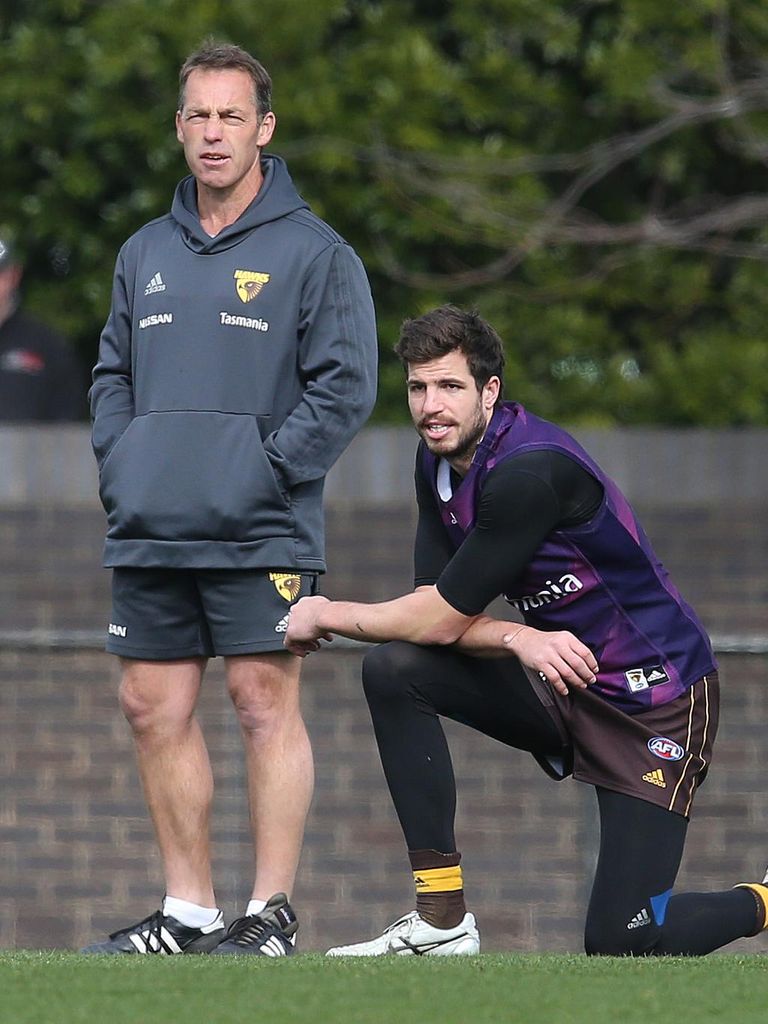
<point x="661" y="755"/>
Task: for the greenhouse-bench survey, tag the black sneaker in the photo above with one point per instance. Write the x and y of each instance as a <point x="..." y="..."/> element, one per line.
<point x="270" y="933"/>
<point x="162" y="936"/>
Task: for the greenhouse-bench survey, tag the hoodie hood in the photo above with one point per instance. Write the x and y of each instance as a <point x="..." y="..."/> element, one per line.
<point x="276" y="198"/>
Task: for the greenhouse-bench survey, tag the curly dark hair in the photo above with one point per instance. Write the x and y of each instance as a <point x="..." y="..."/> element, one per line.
<point x="448" y="329"/>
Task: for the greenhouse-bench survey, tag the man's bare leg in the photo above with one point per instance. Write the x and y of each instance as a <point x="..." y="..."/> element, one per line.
<point x="158" y="698"/>
<point x="265" y="692"/>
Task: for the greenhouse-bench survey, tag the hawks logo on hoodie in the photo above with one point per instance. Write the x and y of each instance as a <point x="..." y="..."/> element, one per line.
<point x="249" y="284"/>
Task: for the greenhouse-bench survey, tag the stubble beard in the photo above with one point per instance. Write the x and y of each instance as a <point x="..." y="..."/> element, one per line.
<point x="467" y="442"/>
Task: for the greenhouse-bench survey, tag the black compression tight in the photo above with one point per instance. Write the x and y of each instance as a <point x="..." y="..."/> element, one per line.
<point x="641" y="845"/>
<point x="630" y="911"/>
<point x="407" y="687"/>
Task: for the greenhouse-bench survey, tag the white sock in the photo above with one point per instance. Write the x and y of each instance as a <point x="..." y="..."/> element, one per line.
<point x="255" y="907"/>
<point x="190" y="914"/>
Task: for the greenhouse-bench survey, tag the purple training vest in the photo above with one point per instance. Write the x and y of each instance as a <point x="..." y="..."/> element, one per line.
<point x="602" y="580"/>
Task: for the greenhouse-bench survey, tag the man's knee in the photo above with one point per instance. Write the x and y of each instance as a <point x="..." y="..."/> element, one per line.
<point x="621" y="938"/>
<point x="265" y="694"/>
<point x="148" y="707"/>
<point x="389" y="670"/>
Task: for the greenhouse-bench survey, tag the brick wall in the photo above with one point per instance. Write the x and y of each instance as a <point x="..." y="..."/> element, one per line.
<point x="76" y="854"/>
<point x="50" y="557"/>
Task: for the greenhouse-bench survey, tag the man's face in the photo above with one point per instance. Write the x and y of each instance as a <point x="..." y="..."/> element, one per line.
<point x="220" y="130"/>
<point x="448" y="411"/>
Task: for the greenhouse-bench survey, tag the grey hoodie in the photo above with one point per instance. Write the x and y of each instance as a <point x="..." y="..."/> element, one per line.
<point x="232" y="373"/>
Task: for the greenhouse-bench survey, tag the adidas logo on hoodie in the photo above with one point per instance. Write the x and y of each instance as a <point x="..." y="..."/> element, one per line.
<point x="155" y="285"/>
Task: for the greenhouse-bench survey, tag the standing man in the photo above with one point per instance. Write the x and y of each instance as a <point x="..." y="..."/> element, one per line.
<point x="237" y="363"/>
<point x="611" y="677"/>
<point x="41" y="380"/>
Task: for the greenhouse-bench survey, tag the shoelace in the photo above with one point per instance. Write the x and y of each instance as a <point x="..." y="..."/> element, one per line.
<point x="152" y="924"/>
<point x="245" y="931"/>
<point x="409" y="917"/>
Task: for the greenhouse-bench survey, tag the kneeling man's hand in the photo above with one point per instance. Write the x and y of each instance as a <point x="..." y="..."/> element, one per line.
<point x="303" y="635"/>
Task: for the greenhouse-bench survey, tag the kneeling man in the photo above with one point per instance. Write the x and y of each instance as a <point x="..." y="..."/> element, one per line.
<point x="610" y="677"/>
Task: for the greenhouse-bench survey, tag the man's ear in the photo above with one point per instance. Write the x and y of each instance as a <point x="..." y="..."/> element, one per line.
<point x="491" y="392"/>
<point x="266" y="129"/>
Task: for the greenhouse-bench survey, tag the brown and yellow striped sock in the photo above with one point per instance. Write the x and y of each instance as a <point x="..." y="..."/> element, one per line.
<point x="439" y="887"/>
<point x="760" y="892"/>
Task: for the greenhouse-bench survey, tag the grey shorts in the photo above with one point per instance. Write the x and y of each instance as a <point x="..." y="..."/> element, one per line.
<point x="162" y="614"/>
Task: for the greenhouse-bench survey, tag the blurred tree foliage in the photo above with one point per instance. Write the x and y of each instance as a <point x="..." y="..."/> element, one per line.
<point x="589" y="175"/>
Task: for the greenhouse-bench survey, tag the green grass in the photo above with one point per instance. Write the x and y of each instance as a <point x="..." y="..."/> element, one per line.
<point x="63" y="988"/>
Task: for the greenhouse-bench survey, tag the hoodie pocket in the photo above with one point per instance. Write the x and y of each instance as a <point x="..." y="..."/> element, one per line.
<point x="183" y="476"/>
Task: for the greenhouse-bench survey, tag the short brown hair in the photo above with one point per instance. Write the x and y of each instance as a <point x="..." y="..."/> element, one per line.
<point x="214" y="55"/>
<point x="448" y="329"/>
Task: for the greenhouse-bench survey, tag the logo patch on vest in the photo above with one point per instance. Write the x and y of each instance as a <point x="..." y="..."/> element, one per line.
<point x="643" y="678"/>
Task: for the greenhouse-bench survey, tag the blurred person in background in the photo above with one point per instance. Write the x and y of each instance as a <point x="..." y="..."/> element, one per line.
<point x="41" y="379"/>
<point x="237" y="363"/>
<point x="610" y="678"/>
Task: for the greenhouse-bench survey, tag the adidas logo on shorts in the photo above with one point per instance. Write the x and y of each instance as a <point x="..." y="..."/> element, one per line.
<point x="282" y="626"/>
<point x="656" y="778"/>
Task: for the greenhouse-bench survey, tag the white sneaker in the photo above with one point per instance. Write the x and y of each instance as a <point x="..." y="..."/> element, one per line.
<point x="412" y="936"/>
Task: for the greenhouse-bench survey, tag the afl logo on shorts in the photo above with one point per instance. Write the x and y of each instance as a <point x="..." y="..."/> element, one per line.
<point x="665" y="748"/>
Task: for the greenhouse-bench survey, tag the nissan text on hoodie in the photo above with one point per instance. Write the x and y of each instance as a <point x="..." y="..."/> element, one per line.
<point x="232" y="373"/>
